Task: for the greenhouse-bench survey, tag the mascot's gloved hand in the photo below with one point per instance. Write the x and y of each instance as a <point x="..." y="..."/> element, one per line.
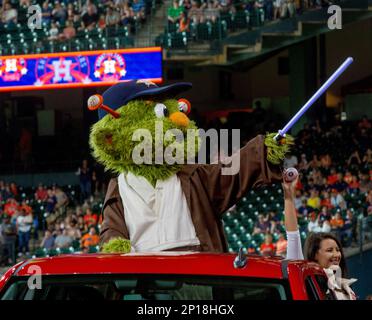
<point x="276" y="150"/>
<point x="117" y="245"/>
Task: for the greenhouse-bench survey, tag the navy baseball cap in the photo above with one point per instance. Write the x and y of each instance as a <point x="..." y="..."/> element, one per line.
<point x="121" y="93"/>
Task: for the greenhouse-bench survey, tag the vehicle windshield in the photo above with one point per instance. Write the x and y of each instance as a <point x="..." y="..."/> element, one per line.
<point x="144" y="287"/>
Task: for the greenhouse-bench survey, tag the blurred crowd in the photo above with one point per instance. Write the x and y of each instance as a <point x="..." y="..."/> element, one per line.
<point x="66" y="17"/>
<point x="51" y="217"/>
<point x="183" y="12"/>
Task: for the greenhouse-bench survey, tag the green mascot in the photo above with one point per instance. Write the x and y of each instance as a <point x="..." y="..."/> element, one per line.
<point x="155" y="205"/>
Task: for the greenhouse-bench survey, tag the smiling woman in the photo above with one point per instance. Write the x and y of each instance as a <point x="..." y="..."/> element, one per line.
<point x="322" y="248"/>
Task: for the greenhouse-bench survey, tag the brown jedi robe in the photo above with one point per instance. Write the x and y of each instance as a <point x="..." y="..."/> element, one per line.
<point x="208" y="194"/>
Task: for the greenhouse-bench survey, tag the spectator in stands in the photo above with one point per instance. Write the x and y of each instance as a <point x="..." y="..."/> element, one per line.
<point x="62" y="199"/>
<point x="68" y="32"/>
<point x="261" y="226"/>
<point x="348" y="177"/>
<point x="196" y="13"/>
<point x="9" y="14"/>
<point x="73" y="231"/>
<point x="290" y="161"/>
<point x="83" y="228"/>
<point x="112" y="17"/>
<point x="367" y="158"/>
<point x="48" y="240"/>
<point x="337" y="200"/>
<point x="324" y="225"/>
<point x="333" y="177"/>
<point x="325" y="160"/>
<point x="340" y="185"/>
<point x="227" y="6"/>
<point x="337" y="223"/>
<point x="59" y="13"/>
<point x="277" y="8"/>
<point x="51" y="201"/>
<point x="72" y="14"/>
<point x="305" y="209"/>
<point x="354" y="159"/>
<point x="268" y="7"/>
<point x="41" y="193"/>
<point x="313" y="224"/>
<point x="281" y="245"/>
<point x="89" y="239"/>
<point x="174" y="12"/>
<point x="5" y="192"/>
<point x="90" y="219"/>
<point x="13" y="189"/>
<point x="314" y="200"/>
<point x="11" y="207"/>
<point x="46" y="13"/>
<point x="53" y="32"/>
<point x="63" y="240"/>
<point x="326" y="200"/>
<point x="184" y="23"/>
<point x="212" y="11"/>
<point x="138" y="7"/>
<point x="298" y="199"/>
<point x="268" y="248"/>
<point x="354" y="185"/>
<point x="365" y="184"/>
<point x="23" y="225"/>
<point x="315" y="162"/>
<point x="349" y="232"/>
<point x="186" y="4"/>
<point x="126" y="14"/>
<point x="304" y="164"/>
<point x="85" y="176"/>
<point x="89" y="18"/>
<point x="88" y="6"/>
<point x="9" y="235"/>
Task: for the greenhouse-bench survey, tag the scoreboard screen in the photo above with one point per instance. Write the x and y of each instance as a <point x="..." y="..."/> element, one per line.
<point x="79" y="69"/>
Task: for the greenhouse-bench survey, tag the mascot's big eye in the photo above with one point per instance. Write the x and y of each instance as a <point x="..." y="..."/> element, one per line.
<point x="161" y="110"/>
<point x="184" y="106"/>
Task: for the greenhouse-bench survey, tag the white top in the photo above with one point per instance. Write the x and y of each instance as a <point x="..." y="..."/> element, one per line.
<point x="24" y="223"/>
<point x="157" y="218"/>
<point x="294" y="247"/>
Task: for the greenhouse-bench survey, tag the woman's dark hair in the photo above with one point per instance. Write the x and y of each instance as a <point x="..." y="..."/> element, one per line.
<point x="312" y="246"/>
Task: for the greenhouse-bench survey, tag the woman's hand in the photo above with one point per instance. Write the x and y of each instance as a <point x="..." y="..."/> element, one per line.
<point x="289" y="189"/>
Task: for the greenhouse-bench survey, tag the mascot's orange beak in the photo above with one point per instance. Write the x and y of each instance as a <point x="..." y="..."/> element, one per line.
<point x="180" y="119"/>
<point x="96" y="102"/>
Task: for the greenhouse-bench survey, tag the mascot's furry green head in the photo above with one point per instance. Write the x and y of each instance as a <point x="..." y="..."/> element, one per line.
<point x="136" y="110"/>
<point x="129" y="117"/>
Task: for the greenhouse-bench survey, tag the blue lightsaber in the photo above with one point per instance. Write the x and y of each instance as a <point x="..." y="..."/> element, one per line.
<point x="307" y="105"/>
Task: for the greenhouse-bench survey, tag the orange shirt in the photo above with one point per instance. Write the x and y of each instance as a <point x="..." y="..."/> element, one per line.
<point x="10" y="209"/>
<point x="337" y="223"/>
<point x="267" y="249"/>
<point x="89" y="240"/>
<point x="90" y="219"/>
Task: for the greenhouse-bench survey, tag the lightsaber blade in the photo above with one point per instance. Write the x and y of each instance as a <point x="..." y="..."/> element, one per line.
<point x="321" y="90"/>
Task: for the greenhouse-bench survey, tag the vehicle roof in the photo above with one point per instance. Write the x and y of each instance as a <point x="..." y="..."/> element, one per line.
<point x="188" y="263"/>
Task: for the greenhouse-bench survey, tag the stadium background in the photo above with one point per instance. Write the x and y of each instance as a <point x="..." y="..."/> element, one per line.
<point x="249" y="71"/>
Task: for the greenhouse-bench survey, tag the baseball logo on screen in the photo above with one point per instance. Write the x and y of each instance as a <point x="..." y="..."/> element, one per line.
<point x="110" y="67"/>
<point x="290" y="174"/>
<point x="12" y="69"/>
<point x="62" y="70"/>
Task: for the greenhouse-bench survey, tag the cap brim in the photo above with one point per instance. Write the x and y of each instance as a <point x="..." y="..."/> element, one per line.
<point x="169" y="90"/>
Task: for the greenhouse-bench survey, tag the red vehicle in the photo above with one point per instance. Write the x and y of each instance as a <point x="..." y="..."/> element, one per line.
<point x="163" y="276"/>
